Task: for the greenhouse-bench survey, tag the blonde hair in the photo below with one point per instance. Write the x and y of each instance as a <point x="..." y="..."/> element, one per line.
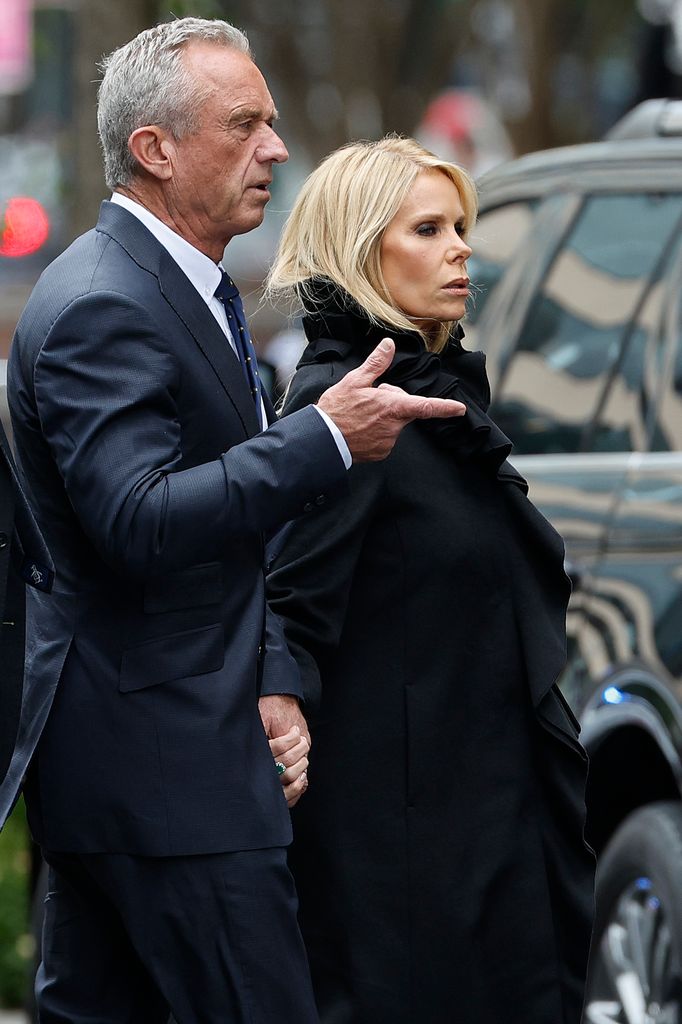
<point x="335" y="228"/>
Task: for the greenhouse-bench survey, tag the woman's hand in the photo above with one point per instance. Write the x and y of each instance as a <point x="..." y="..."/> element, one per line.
<point x="290" y="753"/>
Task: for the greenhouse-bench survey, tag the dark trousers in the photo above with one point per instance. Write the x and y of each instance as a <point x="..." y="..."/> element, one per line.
<point x="212" y="939"/>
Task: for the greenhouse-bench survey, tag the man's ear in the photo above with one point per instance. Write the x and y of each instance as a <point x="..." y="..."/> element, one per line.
<point x="153" y="149"/>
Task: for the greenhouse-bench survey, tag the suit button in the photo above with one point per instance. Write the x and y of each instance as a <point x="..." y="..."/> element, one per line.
<point x="3" y="541"/>
<point x="308" y="507"/>
<point x="320" y="499"/>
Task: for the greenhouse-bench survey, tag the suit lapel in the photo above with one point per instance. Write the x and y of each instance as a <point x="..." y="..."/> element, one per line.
<point x="186" y="302"/>
<point x="202" y="325"/>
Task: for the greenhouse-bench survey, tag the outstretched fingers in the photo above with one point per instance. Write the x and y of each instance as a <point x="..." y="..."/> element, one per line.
<point x="371" y="418"/>
<point x="419" y="407"/>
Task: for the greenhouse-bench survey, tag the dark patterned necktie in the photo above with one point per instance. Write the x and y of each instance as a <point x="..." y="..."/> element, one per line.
<point x="228" y="294"/>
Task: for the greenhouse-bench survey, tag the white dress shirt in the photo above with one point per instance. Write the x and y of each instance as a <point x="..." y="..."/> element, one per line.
<point x="205" y="276"/>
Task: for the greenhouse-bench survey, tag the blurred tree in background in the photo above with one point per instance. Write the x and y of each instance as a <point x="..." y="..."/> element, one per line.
<point x="338" y="69"/>
<point x="552" y="71"/>
<point x="351" y="69"/>
<point x="99" y="27"/>
<point x="555" y="71"/>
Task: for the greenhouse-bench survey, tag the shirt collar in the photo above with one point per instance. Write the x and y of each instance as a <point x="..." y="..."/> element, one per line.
<point x="203" y="273"/>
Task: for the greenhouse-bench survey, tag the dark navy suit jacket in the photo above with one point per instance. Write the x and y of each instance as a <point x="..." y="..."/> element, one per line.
<point x="135" y="429"/>
<point x="23" y="559"/>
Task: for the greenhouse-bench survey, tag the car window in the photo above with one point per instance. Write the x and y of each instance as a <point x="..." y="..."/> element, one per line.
<point x="574" y="334"/>
<point x="496" y="240"/>
<point x="626" y="419"/>
<point x="667" y="431"/>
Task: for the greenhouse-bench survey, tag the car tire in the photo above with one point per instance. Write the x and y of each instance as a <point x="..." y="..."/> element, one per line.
<point x="637" y="941"/>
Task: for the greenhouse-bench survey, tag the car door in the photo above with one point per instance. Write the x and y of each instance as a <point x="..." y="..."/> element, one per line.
<point x="566" y="355"/>
<point x="641" y="571"/>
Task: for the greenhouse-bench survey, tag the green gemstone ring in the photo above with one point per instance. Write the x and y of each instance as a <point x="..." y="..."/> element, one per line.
<point x="281" y="768"/>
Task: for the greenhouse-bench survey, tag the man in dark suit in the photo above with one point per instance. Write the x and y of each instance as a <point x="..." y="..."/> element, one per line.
<point x="138" y="421"/>
<point x="23" y="559"/>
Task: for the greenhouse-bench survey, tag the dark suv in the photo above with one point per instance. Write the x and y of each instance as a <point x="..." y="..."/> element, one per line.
<point x="578" y="263"/>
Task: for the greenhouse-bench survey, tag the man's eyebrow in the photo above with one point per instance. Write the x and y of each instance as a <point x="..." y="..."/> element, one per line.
<point x="252" y="114"/>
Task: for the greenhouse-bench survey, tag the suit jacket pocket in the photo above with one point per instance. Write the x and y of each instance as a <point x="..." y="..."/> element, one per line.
<point x="193" y="652"/>
<point x="187" y="588"/>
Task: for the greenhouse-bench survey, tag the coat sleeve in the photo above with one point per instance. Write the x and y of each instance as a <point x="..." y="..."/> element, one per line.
<point x="105" y="389"/>
<point x="313" y="562"/>
<point x="280" y="673"/>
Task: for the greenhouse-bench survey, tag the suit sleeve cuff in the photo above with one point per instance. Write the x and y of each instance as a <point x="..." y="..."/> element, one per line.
<point x="344" y="450"/>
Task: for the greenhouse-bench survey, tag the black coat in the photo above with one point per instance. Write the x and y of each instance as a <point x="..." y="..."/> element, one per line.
<point x="439" y="851"/>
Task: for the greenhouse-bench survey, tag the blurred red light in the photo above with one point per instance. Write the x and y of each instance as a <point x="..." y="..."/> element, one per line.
<point x="24" y="227"/>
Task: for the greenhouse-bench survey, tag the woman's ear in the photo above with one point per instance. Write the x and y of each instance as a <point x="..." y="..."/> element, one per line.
<point x="153" y="150"/>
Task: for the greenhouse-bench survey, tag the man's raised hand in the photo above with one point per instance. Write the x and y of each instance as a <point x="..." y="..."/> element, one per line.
<point x="370" y="418"/>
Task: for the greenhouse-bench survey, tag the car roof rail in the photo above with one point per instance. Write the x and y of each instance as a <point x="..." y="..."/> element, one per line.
<point x="649" y="120"/>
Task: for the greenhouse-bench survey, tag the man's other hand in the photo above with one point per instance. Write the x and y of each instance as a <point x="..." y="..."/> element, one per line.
<point x="279" y="712"/>
<point x="370" y="418"/>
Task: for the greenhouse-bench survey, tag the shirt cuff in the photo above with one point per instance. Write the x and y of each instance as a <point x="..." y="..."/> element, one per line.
<point x="340" y="440"/>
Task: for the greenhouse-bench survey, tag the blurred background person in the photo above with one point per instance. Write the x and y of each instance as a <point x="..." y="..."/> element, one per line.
<point x="282" y="353"/>
<point x="463" y="128"/>
<point x="660" y="48"/>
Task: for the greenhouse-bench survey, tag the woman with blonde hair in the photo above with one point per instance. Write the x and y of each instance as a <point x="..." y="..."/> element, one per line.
<point x="438" y="853"/>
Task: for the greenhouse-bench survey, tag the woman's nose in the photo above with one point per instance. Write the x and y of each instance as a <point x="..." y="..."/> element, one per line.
<point x="459" y="251"/>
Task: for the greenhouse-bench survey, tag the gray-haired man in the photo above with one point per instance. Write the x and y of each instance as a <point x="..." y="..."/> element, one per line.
<point x="138" y="422"/>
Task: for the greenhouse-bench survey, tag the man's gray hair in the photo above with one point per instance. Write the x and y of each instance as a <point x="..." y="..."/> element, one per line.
<point x="146" y="82"/>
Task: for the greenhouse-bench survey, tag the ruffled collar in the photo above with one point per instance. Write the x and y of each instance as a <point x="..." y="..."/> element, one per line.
<point x="339" y="331"/>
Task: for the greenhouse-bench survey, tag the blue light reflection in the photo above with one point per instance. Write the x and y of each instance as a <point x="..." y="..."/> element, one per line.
<point x="612" y="695"/>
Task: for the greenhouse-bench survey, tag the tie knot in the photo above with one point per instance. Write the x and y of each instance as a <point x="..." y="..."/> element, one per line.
<point x="227" y="290"/>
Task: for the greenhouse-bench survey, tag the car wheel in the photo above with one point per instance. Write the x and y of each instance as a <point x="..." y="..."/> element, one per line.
<point x="634" y="975"/>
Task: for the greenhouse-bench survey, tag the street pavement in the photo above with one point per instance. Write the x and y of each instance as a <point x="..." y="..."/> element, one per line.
<point x="13" y="1017"/>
